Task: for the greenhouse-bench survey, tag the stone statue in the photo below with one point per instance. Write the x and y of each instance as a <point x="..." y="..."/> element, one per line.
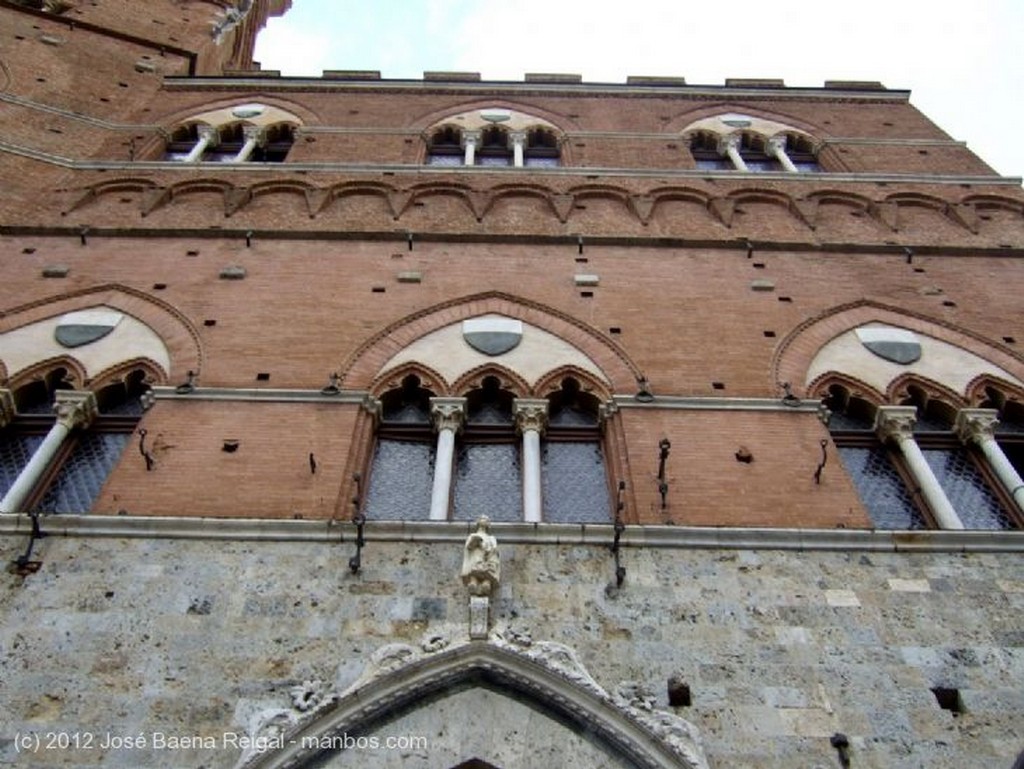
<point x="481" y="564"/>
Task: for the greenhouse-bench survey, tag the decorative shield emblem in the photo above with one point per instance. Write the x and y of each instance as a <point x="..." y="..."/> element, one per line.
<point x="893" y="344"/>
<point x="492" y="336"/>
<point x="80" y="328"/>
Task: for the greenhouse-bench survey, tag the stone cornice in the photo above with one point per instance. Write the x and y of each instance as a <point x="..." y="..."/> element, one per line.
<point x="500" y="88"/>
<point x="660" y="537"/>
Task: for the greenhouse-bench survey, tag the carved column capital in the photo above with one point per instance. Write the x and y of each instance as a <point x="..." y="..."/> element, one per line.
<point x="448" y="413"/>
<point x="470" y="137"/>
<point x="75" y="408"/>
<point x="208" y="134"/>
<point x="776" y="144"/>
<point x="255" y="133"/>
<point x="6" y="407"/>
<point x="976" y="425"/>
<point x="895" y="423"/>
<point x="531" y="414"/>
<point x="516" y="138"/>
<point x="728" y="142"/>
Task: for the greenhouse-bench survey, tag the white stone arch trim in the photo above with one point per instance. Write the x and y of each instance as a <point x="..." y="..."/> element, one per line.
<point x="476" y="119"/>
<point x="549" y="675"/>
<point x="797" y="361"/>
<point x="729" y="123"/>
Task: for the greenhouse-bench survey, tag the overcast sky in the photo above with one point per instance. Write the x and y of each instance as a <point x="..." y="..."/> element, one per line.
<point x="962" y="61"/>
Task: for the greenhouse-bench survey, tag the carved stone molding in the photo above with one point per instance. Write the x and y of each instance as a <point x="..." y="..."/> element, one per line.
<point x="548" y="674"/>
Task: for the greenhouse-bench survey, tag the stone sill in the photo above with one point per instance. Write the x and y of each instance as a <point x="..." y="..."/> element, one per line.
<point x="635" y="536"/>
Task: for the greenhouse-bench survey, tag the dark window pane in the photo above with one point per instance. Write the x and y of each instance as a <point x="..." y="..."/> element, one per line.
<point x="574" y="485"/>
<point x="716" y="164"/>
<point x="493" y="160"/>
<point x="807" y="166"/>
<point x="966" y="489"/>
<point x="82" y="475"/>
<point x="487" y="482"/>
<point x="400" y="481"/>
<point x="444" y="160"/>
<point x="15" y="452"/>
<point x="880" y="487"/>
<point x="762" y="164"/>
<point x="1015" y="453"/>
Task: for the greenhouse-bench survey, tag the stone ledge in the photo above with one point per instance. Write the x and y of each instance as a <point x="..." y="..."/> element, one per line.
<point x="662" y="537"/>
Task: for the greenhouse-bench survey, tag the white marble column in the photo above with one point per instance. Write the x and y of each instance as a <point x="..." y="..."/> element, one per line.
<point x="776" y="147"/>
<point x="470" y="141"/>
<point x="208" y="137"/>
<point x="255" y="137"/>
<point x="730" y="145"/>
<point x="977" y="426"/>
<point x="74" y="409"/>
<point x="448" y="415"/>
<point x="517" y="141"/>
<point x="896" y="424"/>
<point x="531" y="419"/>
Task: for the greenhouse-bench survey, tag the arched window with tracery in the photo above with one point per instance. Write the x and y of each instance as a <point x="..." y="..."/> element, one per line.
<point x="959" y="469"/>
<point x="541" y="148"/>
<point x="444" y="148"/>
<point x="884" y="488"/>
<point x="574" y="479"/>
<point x="494" y="148"/>
<point x="402" y="469"/>
<point x="77" y="470"/>
<point x="488" y="477"/>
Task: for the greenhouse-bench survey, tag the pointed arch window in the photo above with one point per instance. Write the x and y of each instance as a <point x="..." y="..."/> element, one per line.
<point x="541" y="149"/>
<point x="402" y="470"/>
<point x="963" y="475"/>
<point x="231" y="143"/>
<point x="445" y="147"/>
<point x="488" y="475"/>
<point x="74" y="476"/>
<point x="881" y="483"/>
<point x="574" y="479"/>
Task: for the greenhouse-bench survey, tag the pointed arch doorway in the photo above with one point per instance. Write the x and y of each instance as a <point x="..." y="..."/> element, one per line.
<point x="480" y="702"/>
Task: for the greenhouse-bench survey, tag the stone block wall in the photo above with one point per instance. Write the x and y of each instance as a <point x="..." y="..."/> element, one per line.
<point x="780" y="649"/>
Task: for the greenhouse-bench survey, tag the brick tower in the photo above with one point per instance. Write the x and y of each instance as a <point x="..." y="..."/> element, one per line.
<point x="734" y="372"/>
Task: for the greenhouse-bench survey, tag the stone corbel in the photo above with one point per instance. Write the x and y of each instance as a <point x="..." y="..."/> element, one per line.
<point x="964" y="214"/>
<point x="235" y="198"/>
<point x="562" y="206"/>
<point x="887" y="213"/>
<point x="154" y="198"/>
<point x="480" y="202"/>
<point x="399" y="202"/>
<point x="724" y="209"/>
<point x="807" y="211"/>
<point x="315" y="201"/>
<point x="643" y="207"/>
